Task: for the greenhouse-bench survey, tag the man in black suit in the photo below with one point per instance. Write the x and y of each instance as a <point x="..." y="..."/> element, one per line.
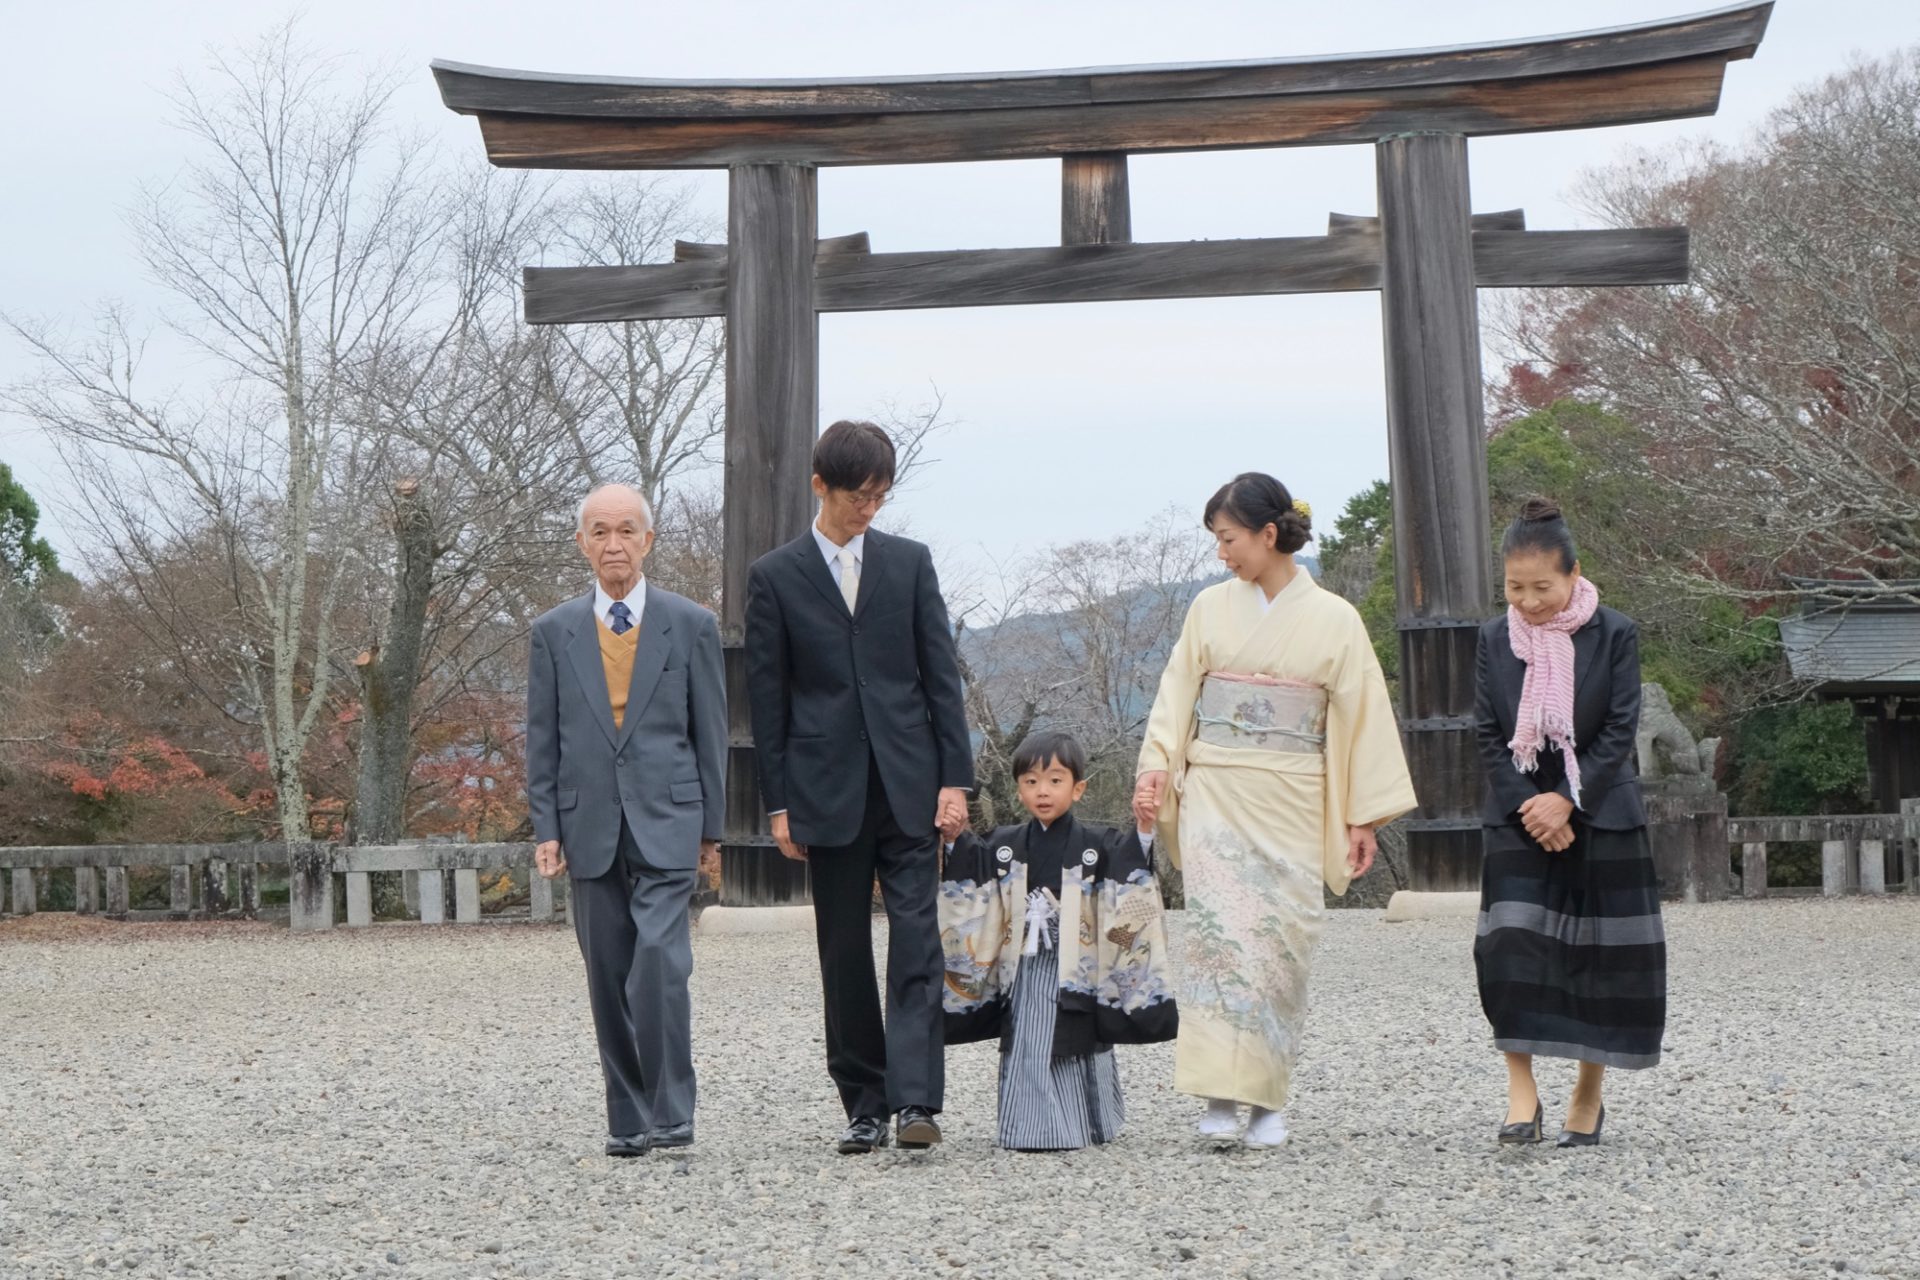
<point x="861" y="734"/>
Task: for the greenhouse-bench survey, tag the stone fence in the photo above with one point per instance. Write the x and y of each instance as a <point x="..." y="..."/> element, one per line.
<point x="228" y="878"/>
<point x="1859" y="853"/>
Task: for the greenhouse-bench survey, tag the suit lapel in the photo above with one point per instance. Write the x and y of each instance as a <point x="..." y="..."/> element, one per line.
<point x="583" y="652"/>
<point x="649" y="660"/>
<point x="870" y="562"/>
<point x="813" y="567"/>
<point x="1586" y="651"/>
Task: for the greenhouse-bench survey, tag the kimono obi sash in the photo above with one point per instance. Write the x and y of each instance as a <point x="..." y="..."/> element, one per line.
<point x="1261" y="713"/>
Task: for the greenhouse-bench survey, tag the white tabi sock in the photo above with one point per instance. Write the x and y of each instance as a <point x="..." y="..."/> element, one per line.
<point x="1266" y="1129"/>
<point x="1220" y="1120"/>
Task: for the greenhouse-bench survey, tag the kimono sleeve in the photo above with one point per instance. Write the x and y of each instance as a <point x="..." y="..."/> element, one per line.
<point x="1134" y="1003"/>
<point x="973" y="921"/>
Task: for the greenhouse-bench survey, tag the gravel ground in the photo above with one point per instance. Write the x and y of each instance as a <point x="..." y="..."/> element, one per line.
<point x="229" y="1100"/>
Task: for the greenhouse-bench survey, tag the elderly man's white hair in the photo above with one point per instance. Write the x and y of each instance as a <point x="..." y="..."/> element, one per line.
<point x="580" y="517"/>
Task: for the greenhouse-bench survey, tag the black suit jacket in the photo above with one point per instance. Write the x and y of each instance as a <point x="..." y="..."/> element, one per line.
<point x="1606" y="723"/>
<point x="828" y="688"/>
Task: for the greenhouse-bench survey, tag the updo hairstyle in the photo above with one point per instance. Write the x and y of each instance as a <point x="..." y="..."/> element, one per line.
<point x="1254" y="500"/>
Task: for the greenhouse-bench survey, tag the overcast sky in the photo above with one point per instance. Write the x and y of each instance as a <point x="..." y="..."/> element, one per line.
<point x="1074" y="421"/>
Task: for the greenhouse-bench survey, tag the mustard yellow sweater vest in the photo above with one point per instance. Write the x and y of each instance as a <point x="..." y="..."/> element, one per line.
<point x="616" y="659"/>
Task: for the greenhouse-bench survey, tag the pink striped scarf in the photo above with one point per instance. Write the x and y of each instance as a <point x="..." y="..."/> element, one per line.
<point x="1546" y="699"/>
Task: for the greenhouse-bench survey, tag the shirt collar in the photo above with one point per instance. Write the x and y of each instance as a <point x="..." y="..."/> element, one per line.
<point x="636" y="602"/>
<point x="858" y="545"/>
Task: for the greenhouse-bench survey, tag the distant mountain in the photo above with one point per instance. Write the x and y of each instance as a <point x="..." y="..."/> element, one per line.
<point x="1021" y="647"/>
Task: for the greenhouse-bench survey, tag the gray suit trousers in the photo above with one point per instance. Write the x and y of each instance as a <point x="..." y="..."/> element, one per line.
<point x="636" y="937"/>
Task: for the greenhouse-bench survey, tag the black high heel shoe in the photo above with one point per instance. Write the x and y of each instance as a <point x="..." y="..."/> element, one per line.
<point x="1574" y="1138"/>
<point x="1525" y="1130"/>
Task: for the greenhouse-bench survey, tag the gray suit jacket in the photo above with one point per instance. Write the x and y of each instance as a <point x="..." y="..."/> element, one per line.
<point x="663" y="769"/>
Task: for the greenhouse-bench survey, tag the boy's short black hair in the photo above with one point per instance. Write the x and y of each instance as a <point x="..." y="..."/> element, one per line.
<point x="853" y="455"/>
<point x="1049" y="746"/>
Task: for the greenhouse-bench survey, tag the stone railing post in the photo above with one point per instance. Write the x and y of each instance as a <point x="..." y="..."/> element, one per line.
<point x="1753" y="869"/>
<point x="359" y="899"/>
<point x="116" y="893"/>
<point x="86" y="891"/>
<point x="466" y="896"/>
<point x="1833" y="868"/>
<point x="1873" y="867"/>
<point x="26" y="893"/>
<point x="309" y="886"/>
<point x="1910" y="844"/>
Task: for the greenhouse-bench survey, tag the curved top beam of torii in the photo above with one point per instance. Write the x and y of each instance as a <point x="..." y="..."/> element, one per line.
<point x="1619" y="75"/>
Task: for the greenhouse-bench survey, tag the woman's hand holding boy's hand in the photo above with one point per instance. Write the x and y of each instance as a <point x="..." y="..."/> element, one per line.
<point x="1148" y="790"/>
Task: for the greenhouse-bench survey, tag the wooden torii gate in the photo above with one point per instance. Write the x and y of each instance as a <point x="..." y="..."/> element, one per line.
<point x="1426" y="254"/>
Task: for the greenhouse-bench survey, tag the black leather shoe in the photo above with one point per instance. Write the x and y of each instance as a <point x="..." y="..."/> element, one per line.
<point x="679" y="1135"/>
<point x="625" y="1148"/>
<point x="863" y="1135"/>
<point x="915" y="1129"/>
<point x="1525" y="1130"/>
<point x="1574" y="1138"/>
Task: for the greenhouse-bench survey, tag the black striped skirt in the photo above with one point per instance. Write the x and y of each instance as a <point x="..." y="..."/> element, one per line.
<point x="1571" y="952"/>
<point x="1049" y="1103"/>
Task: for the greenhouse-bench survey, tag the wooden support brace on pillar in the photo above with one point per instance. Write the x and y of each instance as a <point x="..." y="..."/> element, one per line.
<point x="179" y="891"/>
<point x="86" y="891"/>
<point x="1437" y="448"/>
<point x="1094" y="204"/>
<point x="1753" y="869"/>
<point x="359" y="899"/>
<point x="116" y="893"/>
<point x="433" y="897"/>
<point x="466" y="896"/>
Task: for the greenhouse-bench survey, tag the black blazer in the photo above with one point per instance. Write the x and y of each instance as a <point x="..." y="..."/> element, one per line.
<point x="1606" y="723"/>
<point x="829" y="689"/>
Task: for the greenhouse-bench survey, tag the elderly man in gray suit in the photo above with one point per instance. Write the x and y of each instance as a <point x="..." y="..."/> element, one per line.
<point x="626" y="760"/>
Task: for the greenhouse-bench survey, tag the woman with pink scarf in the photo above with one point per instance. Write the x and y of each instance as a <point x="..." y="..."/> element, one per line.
<point x="1571" y="953"/>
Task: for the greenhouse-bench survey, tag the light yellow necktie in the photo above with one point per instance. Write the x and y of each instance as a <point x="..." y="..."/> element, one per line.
<point x="849" y="577"/>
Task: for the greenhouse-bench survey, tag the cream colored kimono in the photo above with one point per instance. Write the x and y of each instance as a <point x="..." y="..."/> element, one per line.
<point x="1292" y="741"/>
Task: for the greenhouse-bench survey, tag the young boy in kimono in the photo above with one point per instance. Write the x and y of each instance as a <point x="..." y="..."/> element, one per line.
<point x="1056" y="945"/>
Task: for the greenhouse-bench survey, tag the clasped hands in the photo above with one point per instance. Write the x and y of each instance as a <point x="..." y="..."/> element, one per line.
<point x="949" y="816"/>
<point x="1548" y="818"/>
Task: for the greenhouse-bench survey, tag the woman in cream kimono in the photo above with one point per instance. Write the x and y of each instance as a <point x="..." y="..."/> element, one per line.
<point x="1271" y="755"/>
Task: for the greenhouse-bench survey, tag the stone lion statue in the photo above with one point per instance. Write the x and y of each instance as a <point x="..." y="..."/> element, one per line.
<point x="1666" y="747"/>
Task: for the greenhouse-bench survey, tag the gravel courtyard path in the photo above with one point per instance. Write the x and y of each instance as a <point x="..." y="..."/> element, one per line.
<point x="230" y="1100"/>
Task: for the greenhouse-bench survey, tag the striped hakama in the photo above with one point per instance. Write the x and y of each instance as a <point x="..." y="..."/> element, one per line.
<point x="1571" y="952"/>
<point x="1049" y="1103"/>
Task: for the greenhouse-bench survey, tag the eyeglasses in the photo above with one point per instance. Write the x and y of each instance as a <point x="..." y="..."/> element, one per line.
<point x="866" y="499"/>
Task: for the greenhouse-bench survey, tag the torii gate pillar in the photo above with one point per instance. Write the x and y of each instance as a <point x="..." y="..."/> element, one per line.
<point x="1436" y="441"/>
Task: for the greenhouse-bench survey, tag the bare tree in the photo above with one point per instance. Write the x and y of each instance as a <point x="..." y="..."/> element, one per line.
<point x="1779" y="391"/>
<point x="1077" y="642"/>
<point x="641" y="398"/>
<point x="297" y="242"/>
<point x="477" y="470"/>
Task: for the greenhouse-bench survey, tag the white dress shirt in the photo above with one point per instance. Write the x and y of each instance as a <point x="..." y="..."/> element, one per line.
<point x="636" y="602"/>
<point x="858" y="545"/>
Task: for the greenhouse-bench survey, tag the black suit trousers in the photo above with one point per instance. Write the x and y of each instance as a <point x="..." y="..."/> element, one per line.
<point x="879" y="1066"/>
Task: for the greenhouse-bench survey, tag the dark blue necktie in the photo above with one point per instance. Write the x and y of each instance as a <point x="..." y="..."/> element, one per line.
<point x="622" y="618"/>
